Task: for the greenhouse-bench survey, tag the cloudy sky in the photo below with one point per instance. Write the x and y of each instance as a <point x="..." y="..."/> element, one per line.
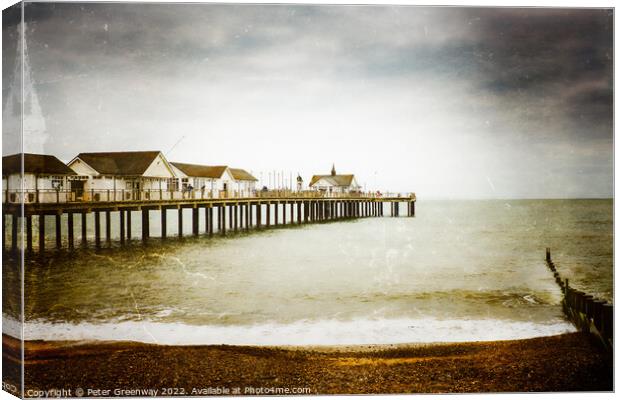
<point x="447" y="102"/>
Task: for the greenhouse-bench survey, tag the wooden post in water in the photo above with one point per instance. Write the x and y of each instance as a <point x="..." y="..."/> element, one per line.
<point x="70" y="237"/>
<point x="97" y="229"/>
<point x="250" y="215"/>
<point x="608" y="321"/>
<point x="276" y="207"/>
<point x="259" y="214"/>
<point x="284" y="213"/>
<point x="108" y="227"/>
<point x="597" y="313"/>
<point x="230" y="218"/>
<point x="129" y="225"/>
<point x="588" y="304"/>
<point x="223" y="209"/>
<point x="180" y="222"/>
<point x="58" y="231"/>
<point x="206" y="219"/>
<point x="84" y="236"/>
<point x="195" y="217"/>
<point x="41" y="232"/>
<point x="121" y="224"/>
<point x="164" y="222"/>
<point x="236" y="209"/>
<point x="210" y="220"/>
<point x="145" y="225"/>
<point x="29" y="232"/>
<point x="548" y="254"/>
<point x="268" y="221"/>
<point x="579" y="300"/>
<point x="248" y="219"/>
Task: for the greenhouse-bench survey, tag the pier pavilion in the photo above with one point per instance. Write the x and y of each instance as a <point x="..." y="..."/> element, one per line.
<point x="335" y="183"/>
<point x="110" y="176"/>
<point x="43" y="179"/>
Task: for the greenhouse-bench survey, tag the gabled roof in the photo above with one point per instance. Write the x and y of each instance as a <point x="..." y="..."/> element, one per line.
<point x="120" y="162"/>
<point x="242" y="175"/>
<point x="34" y="164"/>
<point x="335" y="180"/>
<point x="201" y="171"/>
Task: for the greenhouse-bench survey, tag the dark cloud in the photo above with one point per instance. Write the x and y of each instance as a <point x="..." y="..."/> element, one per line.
<point x="534" y="79"/>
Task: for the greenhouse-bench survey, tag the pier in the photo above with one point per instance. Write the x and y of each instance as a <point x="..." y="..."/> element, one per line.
<point x="208" y="215"/>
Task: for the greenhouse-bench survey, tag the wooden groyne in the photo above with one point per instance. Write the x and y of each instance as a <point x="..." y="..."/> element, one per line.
<point x="586" y="312"/>
<point x="219" y="215"/>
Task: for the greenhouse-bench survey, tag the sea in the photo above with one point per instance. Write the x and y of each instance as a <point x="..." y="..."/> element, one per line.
<point x="458" y="271"/>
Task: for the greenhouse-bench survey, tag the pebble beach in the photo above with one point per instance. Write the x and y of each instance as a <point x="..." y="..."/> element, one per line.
<point x="569" y="362"/>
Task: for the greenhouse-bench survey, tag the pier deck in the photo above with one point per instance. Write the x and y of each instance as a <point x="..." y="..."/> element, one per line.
<point x="219" y="214"/>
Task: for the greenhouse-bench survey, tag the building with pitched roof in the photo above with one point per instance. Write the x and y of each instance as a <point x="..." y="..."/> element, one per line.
<point x="334" y="183"/>
<point x="245" y="182"/>
<point x="215" y="181"/>
<point x="126" y="174"/>
<point x="39" y="177"/>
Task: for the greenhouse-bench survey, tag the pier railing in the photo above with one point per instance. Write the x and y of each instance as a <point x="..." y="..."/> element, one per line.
<point x="127" y="195"/>
<point x="586" y="312"/>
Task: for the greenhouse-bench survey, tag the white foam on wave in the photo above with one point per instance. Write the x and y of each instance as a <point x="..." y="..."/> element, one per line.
<point x="11" y="326"/>
<point x="325" y="332"/>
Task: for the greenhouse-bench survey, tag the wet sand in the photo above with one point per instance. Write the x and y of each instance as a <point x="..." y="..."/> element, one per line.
<point x="570" y="362"/>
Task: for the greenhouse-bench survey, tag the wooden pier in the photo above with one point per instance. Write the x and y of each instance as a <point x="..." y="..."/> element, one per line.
<point x="219" y="215"/>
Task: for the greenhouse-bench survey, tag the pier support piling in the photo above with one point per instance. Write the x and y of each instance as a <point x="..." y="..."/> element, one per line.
<point x="121" y="225"/>
<point x="236" y="223"/>
<point x="164" y="222"/>
<point x="223" y="211"/>
<point x="84" y="233"/>
<point x="128" y="225"/>
<point x="180" y="222"/>
<point x="29" y="233"/>
<point x="210" y="221"/>
<point x="145" y="225"/>
<point x="97" y="229"/>
<point x="230" y="216"/>
<point x="70" y="237"/>
<point x="41" y="232"/>
<point x="195" y="217"/>
<point x="108" y="227"/>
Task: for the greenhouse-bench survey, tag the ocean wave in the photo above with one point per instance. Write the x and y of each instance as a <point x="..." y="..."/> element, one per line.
<point x="304" y="332"/>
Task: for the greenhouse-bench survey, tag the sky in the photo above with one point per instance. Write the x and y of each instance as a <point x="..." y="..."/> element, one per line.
<point x="445" y="102"/>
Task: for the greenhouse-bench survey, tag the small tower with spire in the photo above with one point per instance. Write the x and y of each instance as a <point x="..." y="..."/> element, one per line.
<point x="333" y="169"/>
<point x="300" y="182"/>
